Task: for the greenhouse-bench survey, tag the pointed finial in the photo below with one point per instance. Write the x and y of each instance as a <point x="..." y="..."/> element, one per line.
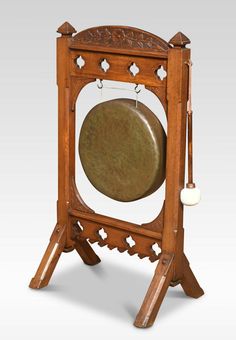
<point x="179" y="40"/>
<point x="66" y="29"/>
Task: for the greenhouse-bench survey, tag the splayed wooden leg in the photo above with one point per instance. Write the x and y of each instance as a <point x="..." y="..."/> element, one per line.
<point x="156" y="292"/>
<point x="50" y="258"/>
<point x="189" y="283"/>
<point x="86" y="252"/>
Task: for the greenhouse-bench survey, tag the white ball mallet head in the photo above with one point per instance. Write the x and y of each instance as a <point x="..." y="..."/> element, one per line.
<point x="190" y="195"/>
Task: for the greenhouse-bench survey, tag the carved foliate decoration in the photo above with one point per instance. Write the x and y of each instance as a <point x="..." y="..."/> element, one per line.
<point x="120" y="37"/>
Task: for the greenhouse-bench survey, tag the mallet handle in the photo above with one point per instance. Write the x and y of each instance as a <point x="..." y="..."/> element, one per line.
<point x="190" y="183"/>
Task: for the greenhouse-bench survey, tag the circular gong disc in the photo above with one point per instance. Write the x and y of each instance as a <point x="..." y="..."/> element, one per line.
<point x="122" y="149"/>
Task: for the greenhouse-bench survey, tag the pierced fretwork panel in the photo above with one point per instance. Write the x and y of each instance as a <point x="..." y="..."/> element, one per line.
<point x="133" y="69"/>
<point x="141" y="245"/>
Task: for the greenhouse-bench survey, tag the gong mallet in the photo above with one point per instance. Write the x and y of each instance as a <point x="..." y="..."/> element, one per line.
<point x="190" y="195"/>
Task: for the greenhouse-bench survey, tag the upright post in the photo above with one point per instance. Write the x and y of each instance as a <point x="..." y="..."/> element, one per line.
<point x="177" y="88"/>
<point x="66" y="31"/>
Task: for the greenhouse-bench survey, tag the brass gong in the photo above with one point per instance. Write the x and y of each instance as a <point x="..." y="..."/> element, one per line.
<point x="122" y="149"/>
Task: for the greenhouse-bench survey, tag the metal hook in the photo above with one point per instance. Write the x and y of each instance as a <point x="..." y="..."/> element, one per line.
<point x="100" y="85"/>
<point x="137" y="92"/>
<point x="136" y="89"/>
<point x="189" y="62"/>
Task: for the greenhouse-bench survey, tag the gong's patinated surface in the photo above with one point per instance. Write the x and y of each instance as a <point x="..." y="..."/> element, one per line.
<point x="122" y="149"/>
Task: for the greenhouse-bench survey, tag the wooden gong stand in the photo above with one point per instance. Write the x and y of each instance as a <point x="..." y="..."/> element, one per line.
<point x="76" y="222"/>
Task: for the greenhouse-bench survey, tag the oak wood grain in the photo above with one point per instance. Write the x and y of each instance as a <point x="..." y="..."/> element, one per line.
<point x="78" y="225"/>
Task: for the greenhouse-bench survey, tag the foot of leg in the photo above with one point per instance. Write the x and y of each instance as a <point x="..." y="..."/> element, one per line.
<point x="156" y="292"/>
<point x="189" y="283"/>
<point x="87" y="253"/>
<point x="50" y="259"/>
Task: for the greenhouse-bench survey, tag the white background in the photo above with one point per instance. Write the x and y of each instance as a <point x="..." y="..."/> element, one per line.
<point x="102" y="301"/>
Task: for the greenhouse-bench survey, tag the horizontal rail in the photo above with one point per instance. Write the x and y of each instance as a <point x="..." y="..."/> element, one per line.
<point x="119" y="68"/>
<point x="115" y="223"/>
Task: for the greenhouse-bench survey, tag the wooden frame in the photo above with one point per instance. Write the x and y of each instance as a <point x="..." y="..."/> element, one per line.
<point x="76" y="222"/>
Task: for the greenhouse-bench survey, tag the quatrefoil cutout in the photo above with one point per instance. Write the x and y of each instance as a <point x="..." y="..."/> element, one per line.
<point x="133" y="69"/>
<point x="130" y="241"/>
<point x="104" y="65"/>
<point x="156" y="248"/>
<point x="102" y="233"/>
<point x="80" y="62"/>
<point x="161" y="72"/>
